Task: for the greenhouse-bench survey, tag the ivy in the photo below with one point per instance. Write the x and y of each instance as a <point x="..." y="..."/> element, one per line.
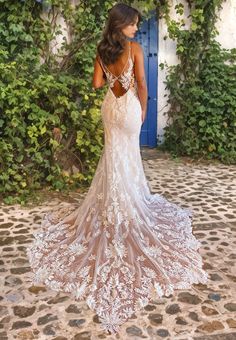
<point x="45" y="86"/>
<point x="202" y="95"/>
<point x="41" y="90"/>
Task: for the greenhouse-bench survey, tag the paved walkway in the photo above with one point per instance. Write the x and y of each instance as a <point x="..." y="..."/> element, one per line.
<point x="205" y="312"/>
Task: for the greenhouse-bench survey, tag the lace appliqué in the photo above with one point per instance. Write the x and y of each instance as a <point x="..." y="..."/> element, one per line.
<point x="122" y="246"/>
<point x="125" y="78"/>
<point x="116" y="258"/>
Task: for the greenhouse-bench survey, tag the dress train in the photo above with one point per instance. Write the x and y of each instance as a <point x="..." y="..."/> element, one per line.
<point x="122" y="246"/>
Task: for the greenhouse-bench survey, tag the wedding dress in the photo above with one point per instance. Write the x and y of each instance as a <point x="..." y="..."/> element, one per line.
<point x="122" y="246"/>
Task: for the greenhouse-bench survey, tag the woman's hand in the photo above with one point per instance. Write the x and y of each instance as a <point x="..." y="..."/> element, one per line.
<point x="57" y="134"/>
<point x="56" y="130"/>
<point x="143" y="115"/>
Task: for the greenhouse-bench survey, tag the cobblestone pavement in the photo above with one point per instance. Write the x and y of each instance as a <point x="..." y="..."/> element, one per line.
<point x="205" y="312"/>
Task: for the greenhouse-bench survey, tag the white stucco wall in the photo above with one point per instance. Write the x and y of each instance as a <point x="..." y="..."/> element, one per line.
<point x="226" y="25"/>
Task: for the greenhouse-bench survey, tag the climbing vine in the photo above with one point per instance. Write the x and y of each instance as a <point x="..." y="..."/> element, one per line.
<point x="47" y="50"/>
<point x="202" y="87"/>
<point x="43" y="88"/>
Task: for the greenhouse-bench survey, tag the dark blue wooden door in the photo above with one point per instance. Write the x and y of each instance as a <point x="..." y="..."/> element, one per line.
<point x="147" y="37"/>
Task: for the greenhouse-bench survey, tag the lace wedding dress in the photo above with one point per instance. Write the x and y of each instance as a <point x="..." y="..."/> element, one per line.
<point x="122" y="246"/>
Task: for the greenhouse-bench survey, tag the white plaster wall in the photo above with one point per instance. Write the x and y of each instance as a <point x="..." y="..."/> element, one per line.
<point x="226" y="25"/>
<point x="58" y="40"/>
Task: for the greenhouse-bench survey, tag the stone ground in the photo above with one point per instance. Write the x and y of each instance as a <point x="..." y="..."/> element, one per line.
<point x="205" y="312"/>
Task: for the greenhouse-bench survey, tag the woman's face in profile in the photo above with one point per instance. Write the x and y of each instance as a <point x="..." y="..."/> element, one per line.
<point x="130" y="30"/>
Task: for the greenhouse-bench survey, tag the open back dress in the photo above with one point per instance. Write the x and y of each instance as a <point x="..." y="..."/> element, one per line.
<point x="122" y="246"/>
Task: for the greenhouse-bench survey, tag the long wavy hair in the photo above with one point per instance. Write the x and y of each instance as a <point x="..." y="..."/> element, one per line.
<point x="113" y="40"/>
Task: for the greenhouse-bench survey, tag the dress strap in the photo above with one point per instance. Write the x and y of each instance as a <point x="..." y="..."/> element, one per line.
<point x="101" y="63"/>
<point x="130" y="47"/>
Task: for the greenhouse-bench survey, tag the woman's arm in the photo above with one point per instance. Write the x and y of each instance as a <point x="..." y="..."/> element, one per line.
<point x="98" y="75"/>
<point x="139" y="72"/>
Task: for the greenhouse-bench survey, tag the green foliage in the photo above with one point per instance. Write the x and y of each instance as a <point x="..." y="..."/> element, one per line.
<point x="40" y="90"/>
<point x="202" y="88"/>
<point x="46" y="85"/>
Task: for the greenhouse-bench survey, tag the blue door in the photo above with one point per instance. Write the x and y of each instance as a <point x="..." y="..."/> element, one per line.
<point x="147" y="37"/>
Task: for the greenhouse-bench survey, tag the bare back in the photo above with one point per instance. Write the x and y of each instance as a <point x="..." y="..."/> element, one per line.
<point x="120" y="75"/>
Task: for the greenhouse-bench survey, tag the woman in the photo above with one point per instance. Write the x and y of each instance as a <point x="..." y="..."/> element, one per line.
<point x="122" y="246"/>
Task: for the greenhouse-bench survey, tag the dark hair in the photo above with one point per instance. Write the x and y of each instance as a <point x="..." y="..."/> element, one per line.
<point x="113" y="42"/>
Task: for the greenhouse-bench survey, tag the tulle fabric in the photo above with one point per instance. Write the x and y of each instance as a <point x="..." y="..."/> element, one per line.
<point x="122" y="246"/>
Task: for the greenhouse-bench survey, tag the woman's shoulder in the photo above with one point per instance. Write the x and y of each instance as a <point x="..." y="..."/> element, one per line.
<point x="136" y="47"/>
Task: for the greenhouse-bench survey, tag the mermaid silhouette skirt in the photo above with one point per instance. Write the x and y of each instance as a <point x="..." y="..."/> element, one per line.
<point x="122" y="246"/>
